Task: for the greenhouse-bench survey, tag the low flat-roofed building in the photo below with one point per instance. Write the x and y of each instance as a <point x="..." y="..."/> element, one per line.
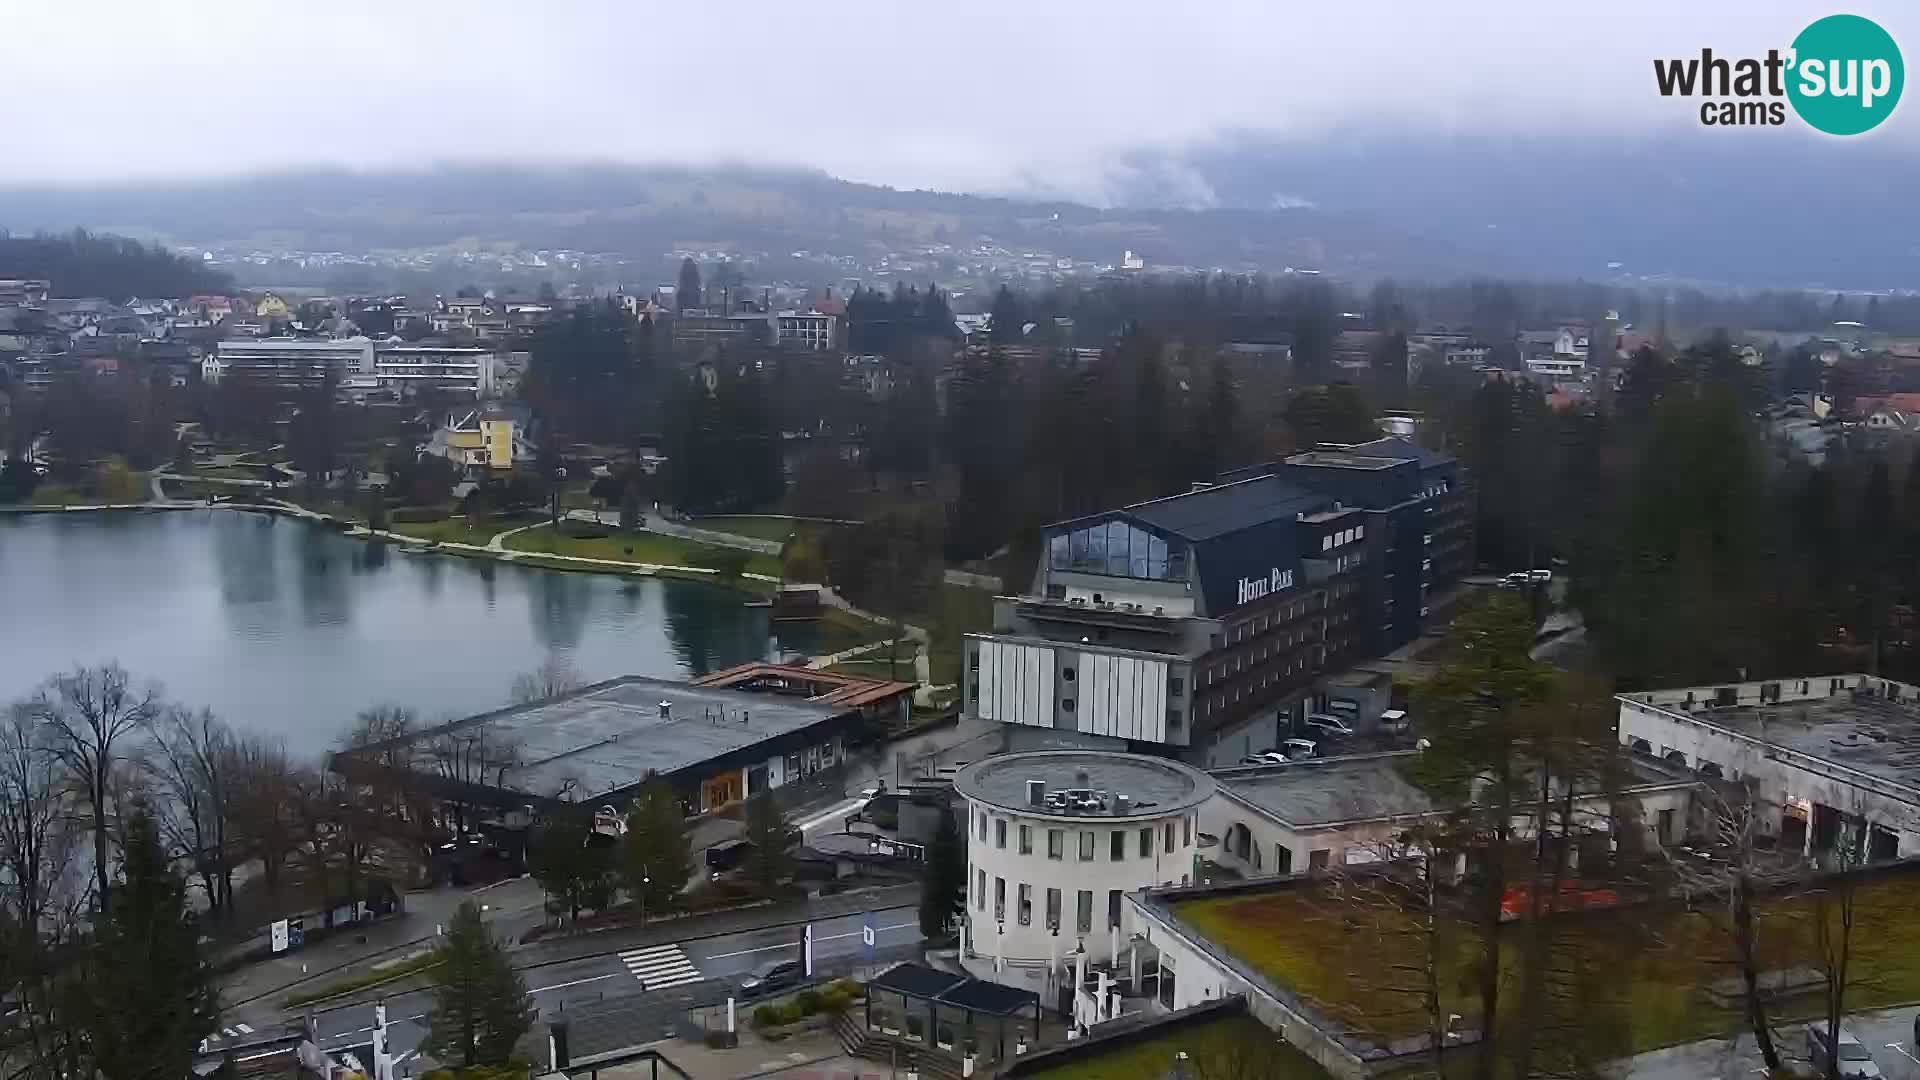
<point x="1835" y="759"/>
<point x="1327" y="813"/>
<point x="599" y="744"/>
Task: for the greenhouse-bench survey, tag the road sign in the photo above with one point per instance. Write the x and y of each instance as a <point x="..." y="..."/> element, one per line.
<point x="296" y="933"/>
<point x="280" y="935"/>
<point x="866" y="934"/>
<point x="807" y="949"/>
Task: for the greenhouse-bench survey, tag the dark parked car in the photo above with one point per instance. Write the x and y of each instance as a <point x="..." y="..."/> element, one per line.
<point x="771" y="977"/>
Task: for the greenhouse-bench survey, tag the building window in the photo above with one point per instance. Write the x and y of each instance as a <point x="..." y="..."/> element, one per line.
<point x="1053" y="909"/>
<point x="1067" y="674"/>
<point x="1117" y="846"/>
<point x="1086" y="845"/>
<point x="1000" y="898"/>
<point x="1146" y="842"/>
<point x="1026" y="839"/>
<point x="1085" y="911"/>
<point x="980" y="889"/>
<point x="1113" y="907"/>
<point x="1186" y="831"/>
<point x="1000" y="833"/>
<point x="1026" y="904"/>
<point x="1066" y="704"/>
<point x="1169" y="837"/>
<point x="973" y="659"/>
<point x="1055" y="844"/>
<point x="983" y="826"/>
<point x="972" y="889"/>
<point x="1176" y="687"/>
<point x="1317" y="861"/>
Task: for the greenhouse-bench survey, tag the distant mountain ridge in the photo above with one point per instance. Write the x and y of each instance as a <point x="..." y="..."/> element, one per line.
<point x="1752" y="209"/>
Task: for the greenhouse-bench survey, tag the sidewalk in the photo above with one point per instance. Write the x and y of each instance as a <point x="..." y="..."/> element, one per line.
<point x="1887" y="1034"/>
<point x="424" y="910"/>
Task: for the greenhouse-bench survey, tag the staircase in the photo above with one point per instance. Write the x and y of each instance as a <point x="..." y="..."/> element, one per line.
<point x="859" y="1041"/>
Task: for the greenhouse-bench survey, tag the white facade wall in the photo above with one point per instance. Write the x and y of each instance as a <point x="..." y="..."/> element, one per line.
<point x="1016" y="683"/>
<point x="999" y="930"/>
<point x="1782" y="776"/>
<point x="1095" y="692"/>
<point x="1275" y="847"/>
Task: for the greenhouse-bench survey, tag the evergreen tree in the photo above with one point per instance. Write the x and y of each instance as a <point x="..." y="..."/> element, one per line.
<point x="481" y="1007"/>
<point x="1006" y="326"/>
<point x="655" y="858"/>
<point x="571" y="862"/>
<point x="769" y="858"/>
<point x="148" y="998"/>
<point x="943" y="880"/>
<point x="688" y="293"/>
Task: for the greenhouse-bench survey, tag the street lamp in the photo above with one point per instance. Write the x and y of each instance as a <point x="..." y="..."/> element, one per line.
<point x="645" y="882"/>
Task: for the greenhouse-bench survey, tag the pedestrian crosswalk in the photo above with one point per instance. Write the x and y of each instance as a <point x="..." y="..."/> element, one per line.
<point x="660" y="966"/>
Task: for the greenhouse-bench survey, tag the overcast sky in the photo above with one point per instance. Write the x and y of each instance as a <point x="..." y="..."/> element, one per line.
<point x="978" y="95"/>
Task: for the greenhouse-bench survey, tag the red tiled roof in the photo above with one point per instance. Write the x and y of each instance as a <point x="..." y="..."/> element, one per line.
<point x="825" y="687"/>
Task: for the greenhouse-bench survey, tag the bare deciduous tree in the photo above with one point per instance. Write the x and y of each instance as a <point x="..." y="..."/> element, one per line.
<point x="195" y="770"/>
<point x="551" y="679"/>
<point x="264" y="787"/>
<point x="42" y="894"/>
<point x="94" y="717"/>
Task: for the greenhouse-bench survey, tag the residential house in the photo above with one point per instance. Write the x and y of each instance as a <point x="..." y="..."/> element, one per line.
<point x="271" y="308"/>
<point x="492" y="437"/>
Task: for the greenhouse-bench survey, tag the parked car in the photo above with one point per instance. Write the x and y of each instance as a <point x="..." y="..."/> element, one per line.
<point x="1275" y="757"/>
<point x="1854" y="1059"/>
<point x="1539" y="577"/>
<point x="770" y="977"/>
<point x="1256" y="759"/>
<point x="1516" y="580"/>
<point x="1299" y="749"/>
<point x="1329" y="725"/>
<point x="1396" y="722"/>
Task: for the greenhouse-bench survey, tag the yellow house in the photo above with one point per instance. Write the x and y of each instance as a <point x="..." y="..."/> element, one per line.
<point x="489" y="438"/>
<point x="270" y="306"/>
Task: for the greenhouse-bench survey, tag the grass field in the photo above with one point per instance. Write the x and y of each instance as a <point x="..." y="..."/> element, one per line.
<point x="452" y="530"/>
<point x="757" y="527"/>
<point x="1651" y="966"/>
<point x="639" y="547"/>
<point x="953" y="611"/>
<point x="1213" y="1048"/>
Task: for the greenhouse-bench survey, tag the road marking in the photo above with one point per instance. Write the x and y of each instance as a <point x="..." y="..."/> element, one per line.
<point x="817" y="938"/>
<point x="661" y="966"/>
<point x="1897" y="1048"/>
<point x="245" y="1029"/>
<point x="576" y="982"/>
<point x="831" y="814"/>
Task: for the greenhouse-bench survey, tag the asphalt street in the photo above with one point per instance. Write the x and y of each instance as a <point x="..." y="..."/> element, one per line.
<point x="633" y="971"/>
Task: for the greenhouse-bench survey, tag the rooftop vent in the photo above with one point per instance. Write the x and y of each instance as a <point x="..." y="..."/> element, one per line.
<point x="666" y="711"/>
<point x="1036" y="792"/>
<point x="1121" y="804"/>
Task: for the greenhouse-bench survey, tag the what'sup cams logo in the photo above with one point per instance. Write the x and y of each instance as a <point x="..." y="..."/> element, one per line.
<point x="1842" y="75"/>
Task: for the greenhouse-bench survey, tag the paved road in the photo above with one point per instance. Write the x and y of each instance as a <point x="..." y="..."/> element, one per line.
<point x="1887" y="1035"/>
<point x="633" y="971"/>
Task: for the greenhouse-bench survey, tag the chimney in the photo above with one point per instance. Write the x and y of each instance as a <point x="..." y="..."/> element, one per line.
<point x="666" y="712"/>
<point x="1036" y="792"/>
<point x="1121" y="804"/>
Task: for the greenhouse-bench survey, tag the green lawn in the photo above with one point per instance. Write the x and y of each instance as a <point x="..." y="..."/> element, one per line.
<point x="953" y="611"/>
<point x="1213" y="1047"/>
<point x="638" y="547"/>
<point x="452" y="530"/>
<point x="1651" y="966"/>
<point x="758" y="527"/>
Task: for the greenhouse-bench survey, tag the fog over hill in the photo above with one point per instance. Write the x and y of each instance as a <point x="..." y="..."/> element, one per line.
<point x="1769" y="208"/>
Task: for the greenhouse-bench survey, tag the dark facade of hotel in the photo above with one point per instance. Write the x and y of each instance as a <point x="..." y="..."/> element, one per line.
<point x="1203" y="623"/>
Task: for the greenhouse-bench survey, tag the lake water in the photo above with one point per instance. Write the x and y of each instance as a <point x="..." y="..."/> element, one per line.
<point x="282" y="626"/>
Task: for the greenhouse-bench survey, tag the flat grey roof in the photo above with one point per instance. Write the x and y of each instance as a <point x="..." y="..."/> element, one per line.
<point x="1155" y="786"/>
<point x="1325" y="791"/>
<point x="1872" y="735"/>
<point x="1342" y="459"/>
<point x="610" y="735"/>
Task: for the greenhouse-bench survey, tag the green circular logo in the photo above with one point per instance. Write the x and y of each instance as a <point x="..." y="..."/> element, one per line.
<point x="1846" y="75"/>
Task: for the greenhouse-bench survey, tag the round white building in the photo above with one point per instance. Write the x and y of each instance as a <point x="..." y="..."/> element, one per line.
<point x="1056" y="838"/>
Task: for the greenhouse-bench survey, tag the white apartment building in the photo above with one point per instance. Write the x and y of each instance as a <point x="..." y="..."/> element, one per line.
<point x="358" y="364"/>
<point x="290" y="361"/>
<point x="1055" y="840"/>
<point x="1832" y="758"/>
<point x="810" y="330"/>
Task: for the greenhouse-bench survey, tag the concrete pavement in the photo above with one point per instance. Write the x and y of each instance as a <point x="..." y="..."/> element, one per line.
<point x="1887" y="1035"/>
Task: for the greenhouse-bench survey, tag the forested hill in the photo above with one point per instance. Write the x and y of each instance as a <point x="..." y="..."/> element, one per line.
<point x="80" y="263"/>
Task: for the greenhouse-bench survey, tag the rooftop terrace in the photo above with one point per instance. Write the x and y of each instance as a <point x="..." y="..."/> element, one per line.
<point x="1364" y="787"/>
<point x="1869" y="734"/>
